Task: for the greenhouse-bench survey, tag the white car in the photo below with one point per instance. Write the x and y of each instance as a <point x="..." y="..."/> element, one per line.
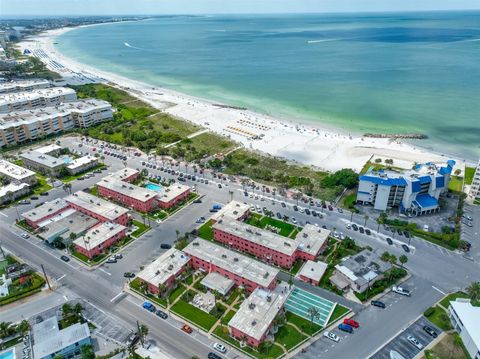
<point x="401" y="291"/>
<point x="301" y="210"/>
<point x="331" y="336"/>
<point x="349" y="226"/>
<point x="221" y="348"/>
<point x="294" y="221"/>
<point x="415" y="342"/>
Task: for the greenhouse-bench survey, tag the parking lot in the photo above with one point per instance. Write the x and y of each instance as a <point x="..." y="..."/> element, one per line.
<point x="471" y="233"/>
<point x="401" y="345"/>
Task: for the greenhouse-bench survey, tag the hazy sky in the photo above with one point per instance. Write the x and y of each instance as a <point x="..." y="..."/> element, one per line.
<point x="106" y="7"/>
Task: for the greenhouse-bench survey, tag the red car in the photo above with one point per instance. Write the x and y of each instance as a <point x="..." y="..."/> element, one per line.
<point x="351" y="322"/>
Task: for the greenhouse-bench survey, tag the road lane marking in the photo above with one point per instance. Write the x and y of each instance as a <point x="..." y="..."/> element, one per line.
<point x="65" y="297"/>
<point x="59" y="279"/>
<point x="3" y="214"/>
<point x="438" y="290"/>
<point x="116" y="297"/>
<point x="104" y="271"/>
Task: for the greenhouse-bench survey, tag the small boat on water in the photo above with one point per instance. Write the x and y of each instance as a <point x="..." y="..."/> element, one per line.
<point x="396" y="355"/>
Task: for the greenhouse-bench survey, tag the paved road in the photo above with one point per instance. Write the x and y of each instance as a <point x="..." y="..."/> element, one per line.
<point x="434" y="270"/>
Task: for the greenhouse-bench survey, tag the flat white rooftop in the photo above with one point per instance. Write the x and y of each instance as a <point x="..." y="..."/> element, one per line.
<point x="99" y="235"/>
<point x="48" y="148"/>
<point x="232" y="210"/>
<point x="28" y="117"/>
<point x="258" y="311"/>
<point x="42" y="159"/>
<point x="165" y="266"/>
<point x="47" y="208"/>
<point x="311" y="239"/>
<point x="97" y="205"/>
<point x="66" y="222"/>
<point x="14" y="171"/>
<point x="470" y="317"/>
<point x="81" y="161"/>
<point x="125" y="173"/>
<point x="13" y="188"/>
<point x="218" y="282"/>
<point x="232" y="261"/>
<point x="35" y="94"/>
<point x="257" y="235"/>
<point x="167" y="194"/>
<point x="22" y="84"/>
<point x="127" y="189"/>
<point x="313" y="270"/>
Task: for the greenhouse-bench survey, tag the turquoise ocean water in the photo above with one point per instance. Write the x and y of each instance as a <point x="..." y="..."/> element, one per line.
<point x="412" y="72"/>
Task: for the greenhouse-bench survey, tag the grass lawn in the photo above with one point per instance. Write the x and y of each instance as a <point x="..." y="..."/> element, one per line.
<point x="177" y="292"/>
<point x="349" y="200"/>
<point x="194" y="315"/>
<point x="469" y="174"/>
<point x="305" y="325"/>
<point x="233" y="295"/>
<point x="201" y="146"/>
<point x="227" y="316"/>
<point x="136" y="286"/>
<point x="338" y="312"/>
<point x="84" y="258"/>
<point x="445" y="302"/>
<point x="141" y="228"/>
<point x="289" y="337"/>
<point x="274" y="352"/>
<point x="439" y="317"/>
<point x="191" y="197"/>
<point x="456" y="184"/>
<point x="296" y="266"/>
<point x="10" y="343"/>
<point x="285" y="229"/>
<point x="24" y="225"/>
<point x="42" y="185"/>
<point x="206" y="231"/>
<point x="18" y="290"/>
<point x="447" y="348"/>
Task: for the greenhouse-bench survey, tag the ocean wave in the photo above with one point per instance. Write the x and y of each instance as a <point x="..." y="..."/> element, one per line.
<point x="318" y="41"/>
<point x="132" y="47"/>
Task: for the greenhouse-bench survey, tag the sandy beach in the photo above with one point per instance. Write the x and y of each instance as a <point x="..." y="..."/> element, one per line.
<point x="313" y="145"/>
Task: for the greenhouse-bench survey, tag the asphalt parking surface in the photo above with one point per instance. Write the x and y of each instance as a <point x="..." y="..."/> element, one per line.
<point x="400" y="343"/>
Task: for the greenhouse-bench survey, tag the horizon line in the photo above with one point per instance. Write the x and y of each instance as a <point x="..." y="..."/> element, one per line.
<point x="240" y="13"/>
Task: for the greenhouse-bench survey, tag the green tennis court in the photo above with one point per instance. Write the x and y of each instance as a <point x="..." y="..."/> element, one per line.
<point x="300" y="301"/>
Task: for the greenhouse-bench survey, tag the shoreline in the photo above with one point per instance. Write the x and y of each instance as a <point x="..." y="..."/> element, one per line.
<point x="302" y="142"/>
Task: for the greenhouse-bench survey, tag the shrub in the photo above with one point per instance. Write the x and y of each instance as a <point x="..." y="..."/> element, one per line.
<point x="429" y="312"/>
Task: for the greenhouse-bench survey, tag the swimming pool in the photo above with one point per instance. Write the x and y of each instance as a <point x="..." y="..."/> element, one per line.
<point x="153" y="187"/>
<point x="9" y="354"/>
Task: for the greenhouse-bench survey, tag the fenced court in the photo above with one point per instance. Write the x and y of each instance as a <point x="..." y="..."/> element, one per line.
<point x="300" y="301"/>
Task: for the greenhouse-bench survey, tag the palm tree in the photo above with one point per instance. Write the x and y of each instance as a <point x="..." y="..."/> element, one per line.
<point x="5" y="329"/>
<point x="78" y="309"/>
<point x="403" y="259"/>
<point x="473" y="291"/>
<point x="313" y="313"/>
<point x="177" y="234"/>
<point x="142" y="332"/>
<point x="365" y="217"/>
<point x="290" y="282"/>
<point x="67" y="310"/>
<point x="23" y="327"/>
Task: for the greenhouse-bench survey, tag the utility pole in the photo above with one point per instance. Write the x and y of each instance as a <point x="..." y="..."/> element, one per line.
<point x="46" y="278"/>
<point x="1" y="251"/>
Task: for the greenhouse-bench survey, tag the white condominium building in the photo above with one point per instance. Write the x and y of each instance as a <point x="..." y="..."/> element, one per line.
<point x="475" y="188"/>
<point x="414" y="191"/>
<point x="53" y="96"/>
<point x="21" y="126"/>
<point x="23" y="85"/>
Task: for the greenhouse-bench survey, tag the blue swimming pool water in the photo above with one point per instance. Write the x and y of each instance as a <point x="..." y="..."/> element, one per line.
<point x="7" y="354"/>
<point x="153" y="187"/>
<point x="67" y="160"/>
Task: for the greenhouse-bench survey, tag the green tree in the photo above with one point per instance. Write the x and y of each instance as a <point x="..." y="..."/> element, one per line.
<point x="143" y="332"/>
<point x="87" y="352"/>
<point x="403" y="259"/>
<point x="313" y="314"/>
<point x="473" y="291"/>
<point x="23" y="327"/>
<point x="67" y="310"/>
<point x="5" y="329"/>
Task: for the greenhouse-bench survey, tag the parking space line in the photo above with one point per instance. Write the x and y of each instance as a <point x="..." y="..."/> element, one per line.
<point x="438" y="290"/>
<point x="104" y="271"/>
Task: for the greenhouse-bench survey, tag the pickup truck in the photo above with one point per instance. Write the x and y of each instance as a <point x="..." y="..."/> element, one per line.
<point x="401" y="291"/>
